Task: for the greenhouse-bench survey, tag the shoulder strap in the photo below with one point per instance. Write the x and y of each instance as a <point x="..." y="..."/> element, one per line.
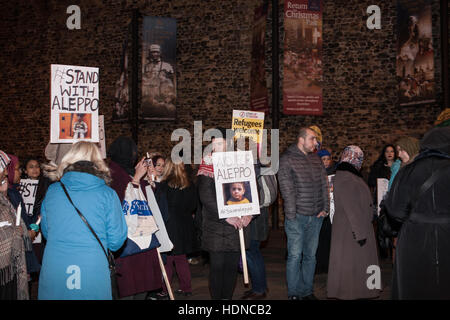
<point x="429" y="182"/>
<point x="84" y="220"/>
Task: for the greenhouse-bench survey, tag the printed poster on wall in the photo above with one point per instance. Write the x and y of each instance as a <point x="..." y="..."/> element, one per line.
<point x="258" y="87"/>
<point x="415" y="58"/>
<point x="27" y="190"/>
<point x="303" y="74"/>
<point x="248" y="124"/>
<point x="159" y="85"/>
<point x="235" y="182"/>
<point x="74" y="103"/>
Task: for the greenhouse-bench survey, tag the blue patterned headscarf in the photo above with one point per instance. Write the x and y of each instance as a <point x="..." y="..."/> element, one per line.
<point x="353" y="155"/>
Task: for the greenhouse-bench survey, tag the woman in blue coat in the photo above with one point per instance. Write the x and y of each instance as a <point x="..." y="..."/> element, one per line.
<point x="74" y="265"/>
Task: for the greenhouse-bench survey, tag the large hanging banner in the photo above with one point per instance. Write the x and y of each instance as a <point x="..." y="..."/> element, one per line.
<point x="415" y="64"/>
<point x="236" y="190"/>
<point x="74" y="102"/>
<point x="159" y="90"/>
<point x="303" y="74"/>
<point x="258" y="87"/>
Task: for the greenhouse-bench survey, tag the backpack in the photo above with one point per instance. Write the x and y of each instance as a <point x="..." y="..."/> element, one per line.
<point x="267" y="187"/>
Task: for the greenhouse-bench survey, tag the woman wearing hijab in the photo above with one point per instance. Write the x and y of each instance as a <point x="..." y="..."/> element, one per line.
<point x="13" y="270"/>
<point x="422" y="259"/>
<point x="353" y="248"/>
<point x="139" y="273"/>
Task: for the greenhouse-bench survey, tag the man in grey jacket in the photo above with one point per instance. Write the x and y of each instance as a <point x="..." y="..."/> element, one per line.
<point x="303" y="185"/>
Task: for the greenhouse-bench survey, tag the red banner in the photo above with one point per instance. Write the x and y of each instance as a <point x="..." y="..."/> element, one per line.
<point x="303" y="74"/>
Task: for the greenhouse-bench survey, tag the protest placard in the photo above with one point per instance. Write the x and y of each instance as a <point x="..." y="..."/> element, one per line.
<point x="27" y="189"/>
<point x="101" y="136"/>
<point x="74" y="103"/>
<point x="248" y="124"/>
<point x="236" y="189"/>
<point x="382" y="189"/>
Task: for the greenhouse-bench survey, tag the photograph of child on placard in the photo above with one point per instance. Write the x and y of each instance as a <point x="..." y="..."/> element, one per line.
<point x="75" y="125"/>
<point x="237" y="193"/>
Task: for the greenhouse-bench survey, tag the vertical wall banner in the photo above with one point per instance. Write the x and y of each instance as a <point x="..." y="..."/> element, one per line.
<point x="74" y="103"/>
<point x="248" y="124"/>
<point x="258" y="87"/>
<point x="236" y="190"/>
<point x="121" y="109"/>
<point x="415" y="64"/>
<point x="303" y="74"/>
<point x="159" y="89"/>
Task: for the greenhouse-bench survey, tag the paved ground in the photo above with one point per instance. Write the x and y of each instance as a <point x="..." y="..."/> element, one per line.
<point x="273" y="250"/>
<point x="274" y="255"/>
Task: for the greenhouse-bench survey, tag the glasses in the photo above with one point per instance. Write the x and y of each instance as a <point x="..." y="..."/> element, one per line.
<point x="4" y="180"/>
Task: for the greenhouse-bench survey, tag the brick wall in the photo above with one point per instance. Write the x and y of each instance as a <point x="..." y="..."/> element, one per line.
<point x="213" y="61"/>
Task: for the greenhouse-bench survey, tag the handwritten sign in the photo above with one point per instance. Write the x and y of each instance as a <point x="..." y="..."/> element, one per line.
<point x="74" y="103"/>
<point x="236" y="189"/>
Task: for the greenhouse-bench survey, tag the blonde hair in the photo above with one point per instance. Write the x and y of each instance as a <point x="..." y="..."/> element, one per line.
<point x="81" y="151"/>
<point x="175" y="175"/>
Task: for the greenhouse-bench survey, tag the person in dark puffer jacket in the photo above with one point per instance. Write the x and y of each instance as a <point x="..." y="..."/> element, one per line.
<point x="303" y="185"/>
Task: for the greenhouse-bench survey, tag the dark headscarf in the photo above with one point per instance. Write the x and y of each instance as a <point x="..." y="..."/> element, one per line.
<point x="12" y="169"/>
<point x="437" y="139"/>
<point x="123" y="151"/>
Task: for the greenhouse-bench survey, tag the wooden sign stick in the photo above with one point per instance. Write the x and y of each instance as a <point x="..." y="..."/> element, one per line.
<point x="166" y="280"/>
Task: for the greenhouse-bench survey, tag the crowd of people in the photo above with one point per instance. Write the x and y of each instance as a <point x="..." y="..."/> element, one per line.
<point x="332" y="221"/>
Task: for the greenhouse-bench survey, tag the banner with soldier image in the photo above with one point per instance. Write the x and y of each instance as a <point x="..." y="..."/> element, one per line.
<point x="74" y="103"/>
<point x="415" y="58"/>
<point x="303" y="73"/>
<point x="159" y="90"/>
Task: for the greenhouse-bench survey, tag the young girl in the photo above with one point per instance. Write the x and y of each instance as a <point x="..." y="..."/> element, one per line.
<point x="237" y="192"/>
<point x="31" y="169"/>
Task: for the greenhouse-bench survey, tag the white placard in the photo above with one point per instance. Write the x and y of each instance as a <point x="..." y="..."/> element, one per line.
<point x="331" y="193"/>
<point x="27" y="189"/>
<point x="382" y="189"/>
<point x="236" y="190"/>
<point x="161" y="234"/>
<point x="101" y="135"/>
<point x="74" y="103"/>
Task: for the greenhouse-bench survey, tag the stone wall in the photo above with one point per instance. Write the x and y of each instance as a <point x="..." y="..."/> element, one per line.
<point x="213" y="61"/>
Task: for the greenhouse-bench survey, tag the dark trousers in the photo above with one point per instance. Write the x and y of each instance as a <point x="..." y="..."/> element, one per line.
<point x="182" y="269"/>
<point x="222" y="274"/>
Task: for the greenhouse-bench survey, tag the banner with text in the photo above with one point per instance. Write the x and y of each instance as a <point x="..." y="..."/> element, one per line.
<point x="236" y="189"/>
<point x="303" y="74"/>
<point x="248" y="124"/>
<point x="74" y="104"/>
<point x="27" y="190"/>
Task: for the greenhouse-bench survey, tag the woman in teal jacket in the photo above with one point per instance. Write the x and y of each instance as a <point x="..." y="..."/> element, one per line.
<point x="74" y="265"/>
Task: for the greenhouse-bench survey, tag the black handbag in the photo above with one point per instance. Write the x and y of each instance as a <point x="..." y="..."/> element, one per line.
<point x="109" y="256"/>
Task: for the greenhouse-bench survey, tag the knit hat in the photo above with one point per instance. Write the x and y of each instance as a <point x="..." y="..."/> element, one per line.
<point x="4" y="160"/>
<point x="353" y="155"/>
<point x="443" y="120"/>
<point x="410" y="145"/>
<point x="323" y="152"/>
<point x="317" y="132"/>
